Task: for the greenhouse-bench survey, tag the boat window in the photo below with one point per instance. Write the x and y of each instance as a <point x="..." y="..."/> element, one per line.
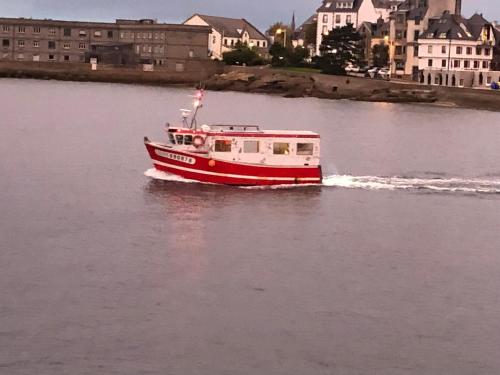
<point x="251" y="147"/>
<point x="281" y="148"/>
<point x="171" y="138"/>
<point x="188" y="140"/>
<point x="180" y="139"/>
<point x="222" y="146"/>
<point x="305" y="148"/>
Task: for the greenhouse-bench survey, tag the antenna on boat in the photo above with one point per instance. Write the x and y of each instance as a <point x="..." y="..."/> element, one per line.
<point x="196" y="105"/>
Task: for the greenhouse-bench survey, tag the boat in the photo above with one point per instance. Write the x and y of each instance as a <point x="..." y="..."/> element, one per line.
<point x="241" y="155"/>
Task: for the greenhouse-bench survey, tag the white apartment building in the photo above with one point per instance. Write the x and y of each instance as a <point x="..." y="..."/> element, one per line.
<point x="455" y="51"/>
<point x="339" y="13"/>
<point x="226" y="32"/>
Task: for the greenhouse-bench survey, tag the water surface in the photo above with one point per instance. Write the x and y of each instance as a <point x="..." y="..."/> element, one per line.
<point x="393" y="269"/>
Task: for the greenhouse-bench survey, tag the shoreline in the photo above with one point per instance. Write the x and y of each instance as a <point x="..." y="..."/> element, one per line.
<point x="264" y="80"/>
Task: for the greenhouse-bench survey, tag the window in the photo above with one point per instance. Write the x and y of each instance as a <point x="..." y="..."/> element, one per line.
<point x="51" y="57"/>
<point x="337" y="18"/>
<point x="5" y="28"/>
<point x="325" y="18"/>
<point x="443" y="63"/>
<point x="461" y="82"/>
<point x="20" y="56"/>
<point x="281" y="148"/>
<point x="429" y="49"/>
<point x="443" y="49"/>
<point x="485" y="64"/>
<point x="67" y="31"/>
<point x="5" y="43"/>
<point x="251" y="147"/>
<point x="305" y="148"/>
<point x="466" y="64"/>
<point x="191" y="53"/>
<point x="222" y="145"/>
<point x="21" y="29"/>
<point x="52" y="31"/>
<point x="36" y="30"/>
<point x="476" y="64"/>
<point x="468" y="51"/>
<point x="416" y="34"/>
<point x="20" y="43"/>
<point x="325" y="30"/>
<point x="429" y="62"/>
<point x="82" y="33"/>
<point x="52" y="44"/>
<point x="97" y="34"/>
<point x="478" y="51"/>
<point x="456" y="63"/>
<point x="36" y="44"/>
<point x="179" y="138"/>
<point x="110" y="34"/>
<point x="67" y="45"/>
<point x="348" y="19"/>
<point x="459" y="50"/>
<point x="82" y="46"/>
<point x="179" y="67"/>
<point x="66" y="58"/>
<point x="225" y="41"/>
<point x="486" y="52"/>
<point x="488" y="80"/>
<point x="188" y="139"/>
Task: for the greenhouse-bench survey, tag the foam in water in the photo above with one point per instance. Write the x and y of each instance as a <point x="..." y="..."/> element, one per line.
<point x="450" y="185"/>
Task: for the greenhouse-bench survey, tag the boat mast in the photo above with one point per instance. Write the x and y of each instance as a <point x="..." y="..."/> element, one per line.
<point x="197" y="105"/>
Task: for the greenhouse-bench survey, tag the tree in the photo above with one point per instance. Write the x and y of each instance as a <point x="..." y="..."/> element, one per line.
<point x="338" y="49"/>
<point x="311" y="31"/>
<point x="242" y="54"/>
<point x="298" y="55"/>
<point x="279" y="55"/>
<point x="380" y="54"/>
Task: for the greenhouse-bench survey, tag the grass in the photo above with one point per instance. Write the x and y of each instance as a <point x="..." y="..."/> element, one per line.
<point x="301" y="70"/>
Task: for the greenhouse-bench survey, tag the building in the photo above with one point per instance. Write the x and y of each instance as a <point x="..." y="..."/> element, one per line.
<point x="339" y="13"/>
<point x="407" y="22"/>
<point x="299" y="37"/>
<point x="373" y="34"/>
<point x="496" y="49"/>
<point x="166" y="45"/>
<point x="227" y="32"/>
<point x="454" y="51"/>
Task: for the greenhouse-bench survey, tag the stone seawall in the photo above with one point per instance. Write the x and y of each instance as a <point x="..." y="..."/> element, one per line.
<point x="195" y="71"/>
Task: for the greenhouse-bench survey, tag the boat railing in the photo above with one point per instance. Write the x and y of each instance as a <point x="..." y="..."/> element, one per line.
<point x="235" y="128"/>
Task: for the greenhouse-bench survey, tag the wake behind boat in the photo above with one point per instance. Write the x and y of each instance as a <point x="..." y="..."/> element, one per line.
<point x="241" y="155"/>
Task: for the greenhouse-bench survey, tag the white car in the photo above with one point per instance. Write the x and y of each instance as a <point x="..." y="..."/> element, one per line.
<point x="384" y="73"/>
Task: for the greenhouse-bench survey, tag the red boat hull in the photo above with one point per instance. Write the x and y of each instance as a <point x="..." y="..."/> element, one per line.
<point x="200" y="167"/>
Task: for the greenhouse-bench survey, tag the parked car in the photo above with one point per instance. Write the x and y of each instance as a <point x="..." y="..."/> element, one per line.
<point x="384" y="73"/>
<point x="373" y="71"/>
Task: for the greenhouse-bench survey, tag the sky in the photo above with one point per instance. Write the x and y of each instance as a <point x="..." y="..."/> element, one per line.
<point x="260" y="13"/>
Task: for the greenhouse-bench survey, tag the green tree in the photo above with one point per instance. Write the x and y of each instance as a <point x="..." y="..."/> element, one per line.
<point x="338" y="49"/>
<point x="242" y="54"/>
<point x="279" y="55"/>
<point x="380" y="53"/>
<point x="298" y="55"/>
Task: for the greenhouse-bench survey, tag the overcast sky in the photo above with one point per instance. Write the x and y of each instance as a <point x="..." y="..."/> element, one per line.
<point x="261" y="13"/>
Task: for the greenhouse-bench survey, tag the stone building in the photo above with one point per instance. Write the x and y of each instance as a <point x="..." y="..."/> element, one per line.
<point x="406" y="24"/>
<point x="69" y="41"/>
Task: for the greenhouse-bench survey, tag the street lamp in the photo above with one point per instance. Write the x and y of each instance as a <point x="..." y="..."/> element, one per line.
<point x="279" y="32"/>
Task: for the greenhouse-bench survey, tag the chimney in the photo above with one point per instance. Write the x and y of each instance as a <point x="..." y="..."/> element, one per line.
<point x="458" y="7"/>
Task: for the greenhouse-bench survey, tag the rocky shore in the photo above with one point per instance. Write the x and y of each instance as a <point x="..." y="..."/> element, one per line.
<point x="294" y="84"/>
<point x="264" y="80"/>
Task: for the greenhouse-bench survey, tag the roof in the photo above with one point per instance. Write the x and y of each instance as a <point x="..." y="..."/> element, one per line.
<point x="456" y="27"/>
<point x="232" y="27"/>
<point x="300" y="32"/>
<point x="337" y="6"/>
